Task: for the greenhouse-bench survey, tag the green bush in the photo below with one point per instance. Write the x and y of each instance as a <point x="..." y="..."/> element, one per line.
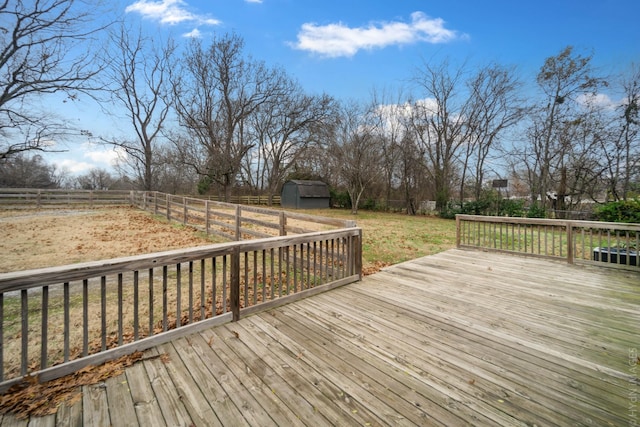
<point x="619" y="211"/>
<point x="340" y="199"/>
<point x="536" y="210"/>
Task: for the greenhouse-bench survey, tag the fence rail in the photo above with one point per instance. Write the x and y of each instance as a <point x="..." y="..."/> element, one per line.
<point x="232" y="222"/>
<point x="589" y="242"/>
<point x="34" y="197"/>
<point x="57" y="320"/>
<point x="30" y="198"/>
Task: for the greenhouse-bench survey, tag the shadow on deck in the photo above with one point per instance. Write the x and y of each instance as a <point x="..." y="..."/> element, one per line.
<point x="457" y="338"/>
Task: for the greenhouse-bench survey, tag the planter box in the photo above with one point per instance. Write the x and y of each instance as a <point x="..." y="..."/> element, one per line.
<point x="616" y="256"/>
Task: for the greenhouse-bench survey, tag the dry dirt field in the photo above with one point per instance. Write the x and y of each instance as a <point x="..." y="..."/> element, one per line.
<point x="47" y="238"/>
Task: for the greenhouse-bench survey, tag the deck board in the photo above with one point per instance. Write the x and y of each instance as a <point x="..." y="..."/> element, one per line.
<point x="457" y="338"/>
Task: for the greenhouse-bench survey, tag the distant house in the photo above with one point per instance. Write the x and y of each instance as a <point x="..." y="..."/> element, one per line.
<point x="305" y="195"/>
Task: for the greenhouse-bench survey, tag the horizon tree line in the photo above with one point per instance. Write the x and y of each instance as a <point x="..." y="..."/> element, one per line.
<point x="206" y="117"/>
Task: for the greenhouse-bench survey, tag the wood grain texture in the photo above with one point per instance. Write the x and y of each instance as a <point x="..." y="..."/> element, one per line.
<point x="459" y="338"/>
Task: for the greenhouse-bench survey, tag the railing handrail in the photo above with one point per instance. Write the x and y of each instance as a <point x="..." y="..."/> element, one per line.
<point x="567" y="235"/>
<point x="549" y="221"/>
<point x="26" y="279"/>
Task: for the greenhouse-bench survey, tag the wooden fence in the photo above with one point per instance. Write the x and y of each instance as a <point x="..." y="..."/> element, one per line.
<point x="16" y="198"/>
<point x="233" y="222"/>
<point x="589" y="242"/>
<point x="54" y="321"/>
<point x="38" y="198"/>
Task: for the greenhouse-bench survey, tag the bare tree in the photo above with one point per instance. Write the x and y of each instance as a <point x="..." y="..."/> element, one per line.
<point x="562" y="79"/>
<point x="493" y="107"/>
<point x="95" y="179"/>
<point x="216" y="91"/>
<point x="622" y="149"/>
<point x="20" y="170"/>
<point x="39" y="55"/>
<point x="356" y="152"/>
<point x="284" y="127"/>
<point x="390" y="125"/>
<point x="438" y="121"/>
<point x="138" y="80"/>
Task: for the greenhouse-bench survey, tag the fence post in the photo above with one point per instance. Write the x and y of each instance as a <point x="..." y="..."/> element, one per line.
<point x="155" y="203"/>
<point x="283" y="224"/>
<point x="38" y="198"/>
<point x="168" y="204"/>
<point x="457" y="230"/>
<point x="184" y="211"/>
<point x="569" y="242"/>
<point x="235" y="284"/>
<point x="238" y="222"/>
<point x="207" y="222"/>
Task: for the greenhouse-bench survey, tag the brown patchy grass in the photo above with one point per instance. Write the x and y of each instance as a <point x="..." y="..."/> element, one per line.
<point x="48" y="238"/>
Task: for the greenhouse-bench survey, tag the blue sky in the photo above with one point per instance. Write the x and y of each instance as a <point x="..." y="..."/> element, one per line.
<point x="348" y="48"/>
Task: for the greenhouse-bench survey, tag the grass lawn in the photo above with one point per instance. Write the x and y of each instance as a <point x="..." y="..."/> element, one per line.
<point x="390" y="238"/>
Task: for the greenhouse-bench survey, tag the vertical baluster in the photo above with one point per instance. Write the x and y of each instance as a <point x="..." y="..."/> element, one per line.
<point x="280" y="272"/>
<point x="151" y="302"/>
<point x="164" y="298"/>
<point x="190" y="291"/>
<point x="272" y="272"/>
<point x="120" y="303"/>
<point x="45" y="323"/>
<point x="224" y="284"/>
<point x="295" y="268"/>
<point x="214" y="287"/>
<point x="308" y="265"/>
<point x="65" y="308"/>
<point x="25" y="331"/>
<point x="103" y="312"/>
<point x="202" y="289"/>
<point x="264" y="275"/>
<point x="178" y="294"/>
<point x="246" y="279"/>
<point x="85" y="317"/>
<point x="255" y="277"/>
<point x="136" y="305"/>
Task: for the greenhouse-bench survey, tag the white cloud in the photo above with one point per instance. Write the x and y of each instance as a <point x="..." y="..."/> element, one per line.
<point x="253" y="1"/>
<point x="335" y="40"/>
<point x="103" y="157"/>
<point x="598" y="100"/>
<point x="170" y="12"/>
<point x="74" y="166"/>
<point x="194" y="34"/>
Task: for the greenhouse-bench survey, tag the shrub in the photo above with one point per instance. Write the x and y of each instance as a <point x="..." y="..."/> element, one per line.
<point x="619" y="211"/>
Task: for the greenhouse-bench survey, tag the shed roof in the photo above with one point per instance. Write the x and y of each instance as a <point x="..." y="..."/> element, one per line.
<point x="311" y="188"/>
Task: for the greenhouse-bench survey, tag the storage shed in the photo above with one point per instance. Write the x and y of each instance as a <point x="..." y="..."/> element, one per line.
<point x="305" y="195"/>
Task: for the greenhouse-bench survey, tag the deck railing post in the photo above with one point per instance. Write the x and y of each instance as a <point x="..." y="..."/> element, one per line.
<point x="358" y="254"/>
<point x="457" y="231"/>
<point x="235" y="284"/>
<point x="569" y="242"/>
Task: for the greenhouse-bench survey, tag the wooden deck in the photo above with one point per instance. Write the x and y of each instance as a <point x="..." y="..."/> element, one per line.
<point x="458" y="338"/>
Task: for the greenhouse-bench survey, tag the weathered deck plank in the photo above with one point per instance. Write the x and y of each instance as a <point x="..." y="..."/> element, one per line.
<point x="458" y="338"/>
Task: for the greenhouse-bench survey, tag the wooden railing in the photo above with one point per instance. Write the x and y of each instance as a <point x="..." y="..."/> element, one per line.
<point x="57" y="320"/>
<point x="590" y="242"/>
<point x="232" y="222"/>
<point x="38" y="198"/>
